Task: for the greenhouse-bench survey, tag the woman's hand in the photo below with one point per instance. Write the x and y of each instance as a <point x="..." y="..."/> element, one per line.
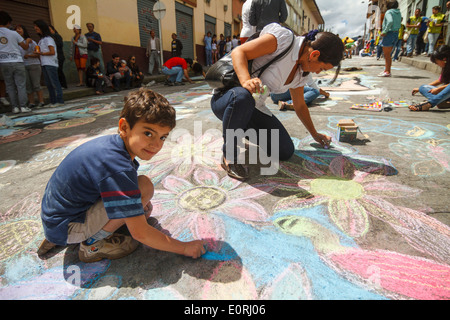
<point x="323" y="139"/>
<point x="253" y="85"/>
<point x="415" y="90"/>
<point x="435" y="91"/>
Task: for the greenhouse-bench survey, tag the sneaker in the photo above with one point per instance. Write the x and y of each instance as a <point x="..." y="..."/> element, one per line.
<point x="179" y="83"/>
<point x="45" y="247"/>
<point x="384" y="74"/>
<point x="25" y="109"/>
<point x="4" y="101"/>
<point x="16" y="110"/>
<point x="115" y="246"/>
<point x="40" y="105"/>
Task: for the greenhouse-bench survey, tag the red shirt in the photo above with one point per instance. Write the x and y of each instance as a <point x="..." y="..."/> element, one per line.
<point x="174" y="62"/>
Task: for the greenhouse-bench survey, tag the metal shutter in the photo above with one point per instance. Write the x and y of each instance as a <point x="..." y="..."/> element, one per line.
<point x="25" y="12"/>
<point x="147" y="21"/>
<point x="185" y="30"/>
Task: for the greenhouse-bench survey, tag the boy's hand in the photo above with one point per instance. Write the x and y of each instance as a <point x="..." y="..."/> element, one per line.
<point x="194" y="249"/>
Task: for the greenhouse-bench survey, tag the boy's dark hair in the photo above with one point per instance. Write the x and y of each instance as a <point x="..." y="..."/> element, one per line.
<point x="45" y="31"/>
<point x="115" y="55"/>
<point x="443" y="53"/>
<point x="145" y="104"/>
<point x="197" y="68"/>
<point x="94" y="60"/>
<point x="5" y="18"/>
<point x="438" y="8"/>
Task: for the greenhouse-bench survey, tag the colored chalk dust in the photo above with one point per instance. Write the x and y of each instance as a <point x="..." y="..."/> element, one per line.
<point x="336" y="188"/>
<point x="16" y="236"/>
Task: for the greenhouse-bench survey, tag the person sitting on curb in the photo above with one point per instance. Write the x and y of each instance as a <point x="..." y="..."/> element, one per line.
<point x="113" y="72"/>
<point x="437" y="92"/>
<point x="176" y="67"/>
<point x="311" y="93"/>
<point x="96" y="189"/>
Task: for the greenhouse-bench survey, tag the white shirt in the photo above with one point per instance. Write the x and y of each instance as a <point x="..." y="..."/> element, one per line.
<point x="9" y="46"/>
<point x="247" y="29"/>
<point x="45" y="43"/>
<point x="275" y="76"/>
<point x="30" y="61"/>
<point x="152" y="44"/>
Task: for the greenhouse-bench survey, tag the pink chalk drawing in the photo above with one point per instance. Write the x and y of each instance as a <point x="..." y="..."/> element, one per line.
<point x="181" y="157"/>
<point x="413" y="277"/>
<point x="390" y="273"/>
<point x="427" y="158"/>
<point x="196" y="205"/>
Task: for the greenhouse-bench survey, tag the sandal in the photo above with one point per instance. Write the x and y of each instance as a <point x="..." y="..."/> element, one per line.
<point x="236" y="171"/>
<point x="420" y="107"/>
<point x="285" y="106"/>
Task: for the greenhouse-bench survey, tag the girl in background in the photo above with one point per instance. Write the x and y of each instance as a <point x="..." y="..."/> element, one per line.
<point x="437" y="92"/>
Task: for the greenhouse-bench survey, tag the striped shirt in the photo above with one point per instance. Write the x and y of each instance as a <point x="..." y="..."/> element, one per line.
<point x="99" y="169"/>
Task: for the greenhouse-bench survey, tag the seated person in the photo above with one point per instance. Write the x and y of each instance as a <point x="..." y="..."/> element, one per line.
<point x="176" y="67"/>
<point x="136" y="75"/>
<point x="437" y="92"/>
<point x="311" y="92"/>
<point x="95" y="78"/>
<point x="96" y="188"/>
<point x="115" y="75"/>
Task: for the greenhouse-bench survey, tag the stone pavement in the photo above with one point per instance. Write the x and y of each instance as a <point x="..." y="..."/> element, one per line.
<point x="361" y="220"/>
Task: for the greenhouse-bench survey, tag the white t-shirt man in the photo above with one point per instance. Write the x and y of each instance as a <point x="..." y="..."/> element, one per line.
<point x="9" y="46"/>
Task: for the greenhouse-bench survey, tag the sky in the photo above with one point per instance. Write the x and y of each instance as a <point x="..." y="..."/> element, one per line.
<point x="344" y="17"/>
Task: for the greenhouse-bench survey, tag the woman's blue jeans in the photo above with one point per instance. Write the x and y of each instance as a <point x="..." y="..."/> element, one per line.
<point x="175" y="74"/>
<point x="52" y="81"/>
<point x="236" y="109"/>
<point x="435" y="99"/>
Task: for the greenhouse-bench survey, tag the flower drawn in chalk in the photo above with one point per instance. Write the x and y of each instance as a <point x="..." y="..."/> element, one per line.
<point x="348" y="201"/>
<point x="193" y="209"/>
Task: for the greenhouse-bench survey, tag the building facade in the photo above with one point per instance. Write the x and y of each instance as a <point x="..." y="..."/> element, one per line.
<point x="125" y="25"/>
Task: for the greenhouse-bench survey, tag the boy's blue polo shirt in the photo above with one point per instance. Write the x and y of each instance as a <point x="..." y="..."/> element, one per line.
<point x="99" y="169"/>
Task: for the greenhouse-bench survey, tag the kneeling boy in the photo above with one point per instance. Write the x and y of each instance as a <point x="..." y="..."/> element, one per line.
<point x="96" y="188"/>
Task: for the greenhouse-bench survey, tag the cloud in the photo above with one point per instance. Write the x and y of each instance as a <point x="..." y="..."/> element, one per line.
<point x="345" y="17"/>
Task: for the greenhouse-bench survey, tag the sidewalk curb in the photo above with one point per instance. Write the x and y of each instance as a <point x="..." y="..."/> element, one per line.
<point x="421" y="64"/>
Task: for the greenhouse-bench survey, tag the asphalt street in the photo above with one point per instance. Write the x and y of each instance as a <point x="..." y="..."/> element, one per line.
<point x="367" y="219"/>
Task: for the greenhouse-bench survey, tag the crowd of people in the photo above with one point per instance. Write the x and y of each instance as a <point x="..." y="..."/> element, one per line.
<point x="23" y="62"/>
<point x="419" y="35"/>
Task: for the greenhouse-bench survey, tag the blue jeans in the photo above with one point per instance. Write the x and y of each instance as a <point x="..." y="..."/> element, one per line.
<point x="15" y="76"/>
<point x="435" y="99"/>
<point x="208" y="57"/>
<point x="397" y="49"/>
<point x="52" y="82"/>
<point x="411" y="43"/>
<point x="432" y="39"/>
<point x="309" y="94"/>
<point x="236" y="109"/>
<point x="175" y="74"/>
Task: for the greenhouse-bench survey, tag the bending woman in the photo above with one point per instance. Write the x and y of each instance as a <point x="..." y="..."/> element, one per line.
<point x="236" y="106"/>
<point x="437" y="92"/>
